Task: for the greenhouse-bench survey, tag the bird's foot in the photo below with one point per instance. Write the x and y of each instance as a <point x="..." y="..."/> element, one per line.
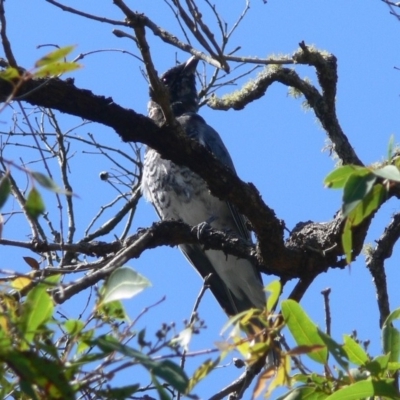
<point x="201" y="228"/>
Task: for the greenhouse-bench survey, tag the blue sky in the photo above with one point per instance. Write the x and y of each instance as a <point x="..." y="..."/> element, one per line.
<point x="274" y="143"/>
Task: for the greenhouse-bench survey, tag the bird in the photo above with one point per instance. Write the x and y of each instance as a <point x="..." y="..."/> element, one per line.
<point x="178" y="193"/>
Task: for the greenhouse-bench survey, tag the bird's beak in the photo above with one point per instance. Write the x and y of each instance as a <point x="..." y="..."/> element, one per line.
<point x="191" y="65"/>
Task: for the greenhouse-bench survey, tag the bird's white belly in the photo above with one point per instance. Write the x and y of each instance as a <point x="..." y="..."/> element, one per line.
<point x="178" y="193"/>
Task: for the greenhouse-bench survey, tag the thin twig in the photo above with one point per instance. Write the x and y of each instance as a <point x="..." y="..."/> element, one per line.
<point x="375" y="261"/>
<point x="328" y="319"/>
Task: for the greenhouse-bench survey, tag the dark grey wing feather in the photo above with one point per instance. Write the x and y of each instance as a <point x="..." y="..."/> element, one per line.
<point x="196" y="256"/>
<point x="197" y="128"/>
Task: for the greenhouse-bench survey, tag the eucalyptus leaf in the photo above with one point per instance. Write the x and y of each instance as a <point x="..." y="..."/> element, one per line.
<point x="124" y="283"/>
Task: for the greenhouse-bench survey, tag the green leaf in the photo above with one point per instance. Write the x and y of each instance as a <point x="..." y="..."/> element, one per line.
<point x="38" y="371"/>
<point x="391" y="342"/>
<point x="124" y="283"/>
<point x="56" y="69"/>
<point x="355" y="189"/>
<point x="166" y="369"/>
<point x="389" y="172"/>
<point x="391" y="336"/>
<point x="354" y="351"/>
<point x="34" y="203"/>
<point x="304" y="393"/>
<point x="44" y="180"/>
<point x="201" y="372"/>
<point x="74" y="326"/>
<point x="336" y="350"/>
<point x="370" y="203"/>
<point x="162" y="393"/>
<point x="338" y="177"/>
<point x="48" y="183"/>
<point x="378" y="365"/>
<point x="37" y="310"/>
<point x="274" y="289"/>
<point x="52" y="280"/>
<point x="5" y="189"/>
<point x="9" y="74"/>
<point x="54" y="56"/>
<point x="393" y="316"/>
<point x="390" y="147"/>
<point x="347" y="241"/>
<point x="109" y="344"/>
<point x="393" y="367"/>
<point x="304" y="331"/>
<point x="367" y="388"/>
<point x="172" y="374"/>
<point x="113" y="309"/>
<point x="121" y="393"/>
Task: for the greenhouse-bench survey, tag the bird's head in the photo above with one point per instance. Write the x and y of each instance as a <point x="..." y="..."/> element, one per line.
<point x="181" y="84"/>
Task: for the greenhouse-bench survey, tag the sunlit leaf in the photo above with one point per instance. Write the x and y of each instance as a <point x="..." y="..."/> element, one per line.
<point x="56" y="69"/>
<point x="378" y="365"/>
<point x="52" y="280"/>
<point x="370" y="203"/>
<point x="54" y="56"/>
<point x="364" y="389"/>
<point x="274" y="289"/>
<point x="124" y="283"/>
<point x="201" y="372"/>
<point x="5" y="189"/>
<point x="391" y="336"/>
<point x="354" y="351"/>
<point x="393" y="316"/>
<point x="280" y="376"/>
<point x="9" y="74"/>
<point x="355" y="189"/>
<point x="336" y="350"/>
<point x="393" y="366"/>
<point x="34" y="203"/>
<point x="338" y="177"/>
<point x="390" y="147"/>
<point x="21" y="282"/>
<point x="74" y="326"/>
<point x="347" y="241"/>
<point x="113" y="309"/>
<point x="389" y="172"/>
<point x="304" y="393"/>
<point x="304" y="331"/>
<point x="37" y="310"/>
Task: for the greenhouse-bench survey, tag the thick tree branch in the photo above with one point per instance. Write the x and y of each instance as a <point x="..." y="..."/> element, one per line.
<point x="376" y="264"/>
<point x="312" y="247"/>
<point x="322" y="104"/>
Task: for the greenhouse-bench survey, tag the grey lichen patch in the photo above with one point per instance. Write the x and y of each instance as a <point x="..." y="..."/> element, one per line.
<point x="231" y="100"/>
<point x="311" y="55"/>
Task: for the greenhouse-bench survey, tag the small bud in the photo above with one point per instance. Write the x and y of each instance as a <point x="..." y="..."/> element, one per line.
<point x="238" y="363"/>
<point x="104" y="175"/>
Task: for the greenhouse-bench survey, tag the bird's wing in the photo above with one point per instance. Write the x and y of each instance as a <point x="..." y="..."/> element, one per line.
<point x="196" y="256"/>
<point x="198" y="129"/>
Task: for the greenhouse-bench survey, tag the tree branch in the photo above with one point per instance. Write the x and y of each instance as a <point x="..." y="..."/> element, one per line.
<point x="322" y="104"/>
<point x="375" y="263"/>
<point x="313" y="247"/>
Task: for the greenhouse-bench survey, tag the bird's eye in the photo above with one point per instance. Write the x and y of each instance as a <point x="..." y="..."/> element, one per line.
<point x="165" y="80"/>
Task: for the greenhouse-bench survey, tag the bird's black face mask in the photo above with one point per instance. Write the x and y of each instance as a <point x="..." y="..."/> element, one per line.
<point x="181" y="84"/>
